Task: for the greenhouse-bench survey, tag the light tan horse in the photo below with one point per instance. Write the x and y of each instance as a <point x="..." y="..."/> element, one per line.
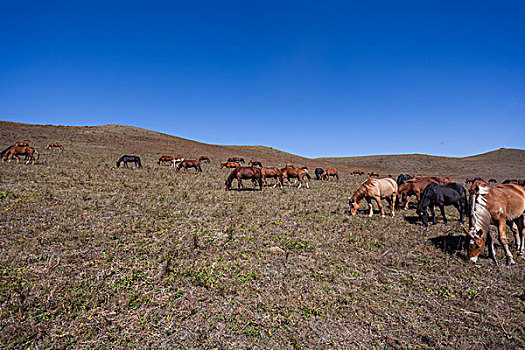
<point x="374" y="189"/>
<point x="496" y="205"/>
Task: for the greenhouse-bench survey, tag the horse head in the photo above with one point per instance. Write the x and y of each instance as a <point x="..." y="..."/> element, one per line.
<point x="354" y="206"/>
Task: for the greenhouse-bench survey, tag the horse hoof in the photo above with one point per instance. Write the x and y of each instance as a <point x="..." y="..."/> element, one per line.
<point x="383" y="215"/>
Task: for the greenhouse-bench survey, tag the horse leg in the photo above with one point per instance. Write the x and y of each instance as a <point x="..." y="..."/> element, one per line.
<point x="434" y="220"/>
<point x="406" y="197"/>
<point x="378" y="200"/>
<point x="502" y="236"/>
<point x="306" y="181"/>
<point x="392" y="204"/>
<point x="442" y="208"/>
<point x="520" y="238"/>
<point x="458" y="207"/>
<point x="369" y="201"/>
<point x="490" y="246"/>
<point x="300" y="183"/>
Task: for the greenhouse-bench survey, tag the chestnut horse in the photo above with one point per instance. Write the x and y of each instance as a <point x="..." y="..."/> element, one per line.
<point x="416" y="186"/>
<point x="189" y="163"/>
<point x="230" y="165"/>
<point x="373" y="174"/>
<point x="374" y="189"/>
<point x="167" y="158"/>
<point x="357" y="172"/>
<point x="496" y="205"/>
<point x="272" y="172"/>
<point x="300" y="174"/>
<point x="204" y="159"/>
<point x="56" y="145"/>
<point x="330" y="172"/>
<point x="17" y="151"/>
<point x="245" y="172"/>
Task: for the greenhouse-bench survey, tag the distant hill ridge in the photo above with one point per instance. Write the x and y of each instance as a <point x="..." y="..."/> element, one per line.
<point x="119" y="139"/>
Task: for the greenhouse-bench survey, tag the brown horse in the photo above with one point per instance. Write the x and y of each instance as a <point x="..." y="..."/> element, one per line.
<point x="245" y="172"/>
<point x="167" y="158"/>
<point x="496" y="205"/>
<point x="230" y="165"/>
<point x="470" y="180"/>
<point x="17" y="151"/>
<point x="189" y="163"/>
<point x="374" y="189"/>
<point x="357" y="172"/>
<point x="272" y="172"/>
<point x="288" y="165"/>
<point x="300" y="174"/>
<point x="330" y="172"/>
<point x="373" y="174"/>
<point x="204" y="159"/>
<point x="413" y="187"/>
<point x="56" y="145"/>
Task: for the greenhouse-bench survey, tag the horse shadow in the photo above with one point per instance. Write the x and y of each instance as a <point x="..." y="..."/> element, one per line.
<point x="452" y="245"/>
<point x="412" y="219"/>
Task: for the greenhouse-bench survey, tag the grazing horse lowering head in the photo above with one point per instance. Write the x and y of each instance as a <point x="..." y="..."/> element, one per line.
<point x="245" y="172"/>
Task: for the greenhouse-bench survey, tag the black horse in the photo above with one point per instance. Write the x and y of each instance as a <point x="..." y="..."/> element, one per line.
<point x="493" y="181"/>
<point x="318" y="173"/>
<point x="236" y="160"/>
<point x="129" y="159"/>
<point x="401" y="179"/>
<point x="256" y="163"/>
<point x="441" y="195"/>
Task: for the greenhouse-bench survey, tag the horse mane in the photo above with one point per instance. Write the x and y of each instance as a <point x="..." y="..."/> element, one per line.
<point x="480" y="214"/>
<point x="360" y="192"/>
<point x="230" y="178"/>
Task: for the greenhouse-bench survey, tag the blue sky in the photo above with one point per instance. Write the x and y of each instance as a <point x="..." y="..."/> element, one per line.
<point x="331" y="78"/>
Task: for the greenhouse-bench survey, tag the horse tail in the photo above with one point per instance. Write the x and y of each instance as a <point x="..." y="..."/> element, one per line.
<point x="5" y="150"/>
<point x="260" y="178"/>
<point x="307" y="174"/>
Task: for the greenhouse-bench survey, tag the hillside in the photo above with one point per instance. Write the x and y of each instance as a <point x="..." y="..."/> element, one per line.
<point x="94" y="256"/>
<point x="500" y="164"/>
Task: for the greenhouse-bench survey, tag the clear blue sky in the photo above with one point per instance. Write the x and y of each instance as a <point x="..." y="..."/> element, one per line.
<point x="315" y="78"/>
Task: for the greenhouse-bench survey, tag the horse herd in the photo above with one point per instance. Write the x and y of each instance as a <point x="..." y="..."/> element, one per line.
<point x="487" y="203"/>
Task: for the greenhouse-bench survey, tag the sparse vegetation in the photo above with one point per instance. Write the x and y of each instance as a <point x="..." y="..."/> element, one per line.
<point x="95" y="256"/>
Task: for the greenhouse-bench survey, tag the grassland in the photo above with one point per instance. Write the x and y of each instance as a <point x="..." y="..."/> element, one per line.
<point x="100" y="257"/>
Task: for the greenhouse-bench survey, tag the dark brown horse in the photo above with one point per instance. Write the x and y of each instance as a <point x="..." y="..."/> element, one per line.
<point x="236" y="160"/>
<point x="413" y="187"/>
<point x="272" y="172"/>
<point x="55" y="145"/>
<point x="373" y="174"/>
<point x="300" y="174"/>
<point x="331" y="172"/>
<point x="204" y="159"/>
<point x="167" y="158"/>
<point x="245" y="172"/>
<point x="17" y="151"/>
<point x="230" y="165"/>
<point x="357" y="172"/>
<point x="189" y="163"/>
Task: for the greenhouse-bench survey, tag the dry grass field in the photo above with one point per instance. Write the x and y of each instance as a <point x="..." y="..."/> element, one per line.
<point x="99" y="257"/>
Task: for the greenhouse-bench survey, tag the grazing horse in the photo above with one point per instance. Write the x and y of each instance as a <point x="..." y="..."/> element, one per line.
<point x="56" y="145"/>
<point x="470" y="180"/>
<point x="129" y="159"/>
<point x="189" y="163"/>
<point x="17" y="144"/>
<point x="373" y="174"/>
<point x="272" y="172"/>
<point x="496" y="205"/>
<point x="374" y="189"/>
<point x="288" y="165"/>
<point x="493" y="181"/>
<point x="254" y="162"/>
<point x="203" y="159"/>
<point x="331" y="172"/>
<point x="297" y="173"/>
<point x="401" y="179"/>
<point x="236" y="160"/>
<point x="230" y="165"/>
<point x="167" y="158"/>
<point x="357" y="172"/>
<point x="318" y="173"/>
<point x="514" y="181"/>
<point x="442" y="195"/>
<point x="413" y="187"/>
<point x="245" y="172"/>
<point x="16" y="151"/>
